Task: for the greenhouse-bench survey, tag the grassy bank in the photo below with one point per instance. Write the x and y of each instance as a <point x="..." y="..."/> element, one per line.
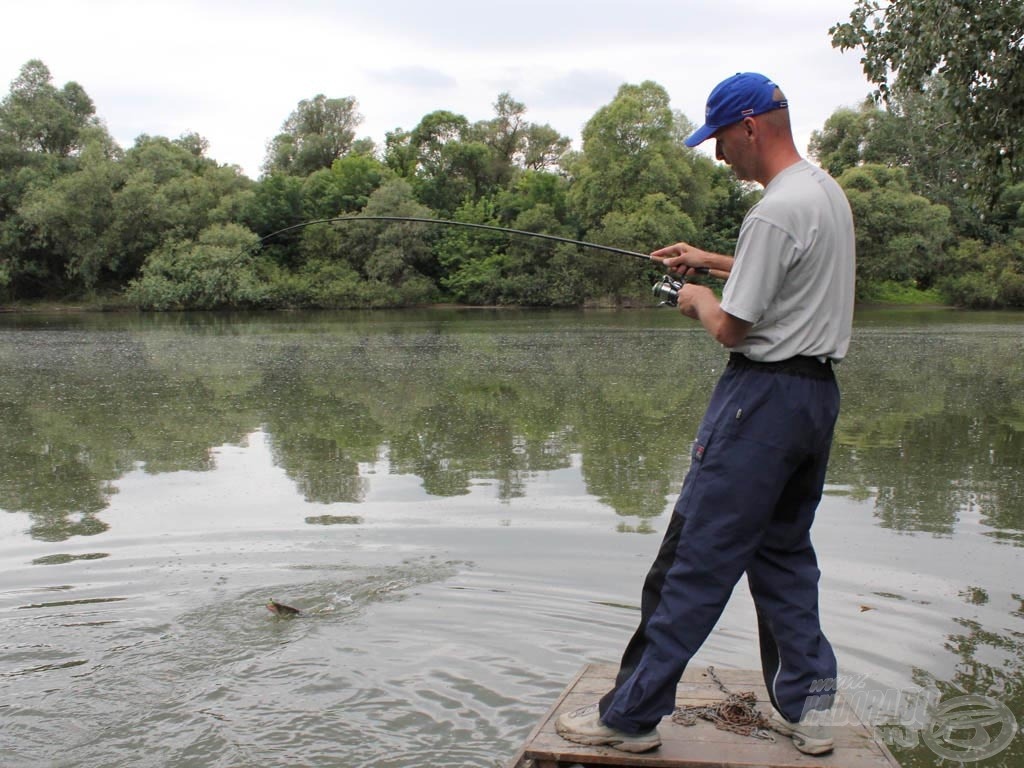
<point x="900" y="294"/>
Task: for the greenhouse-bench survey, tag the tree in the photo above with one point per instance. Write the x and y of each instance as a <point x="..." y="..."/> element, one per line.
<point x="654" y="221"/>
<point x="393" y="258"/>
<point x="450" y="161"/>
<point x="44" y="131"/>
<point x="70" y="220"/>
<point x="170" y="190"/>
<point x="630" y="150"/>
<point x="484" y="267"/>
<point x="506" y="133"/>
<point x="518" y="143"/>
<point x="915" y="132"/>
<point x="36" y="116"/>
<point x="343" y="188"/>
<point x="317" y="133"/>
<point x="967" y="53"/>
<point x="473" y="261"/>
<point x="545" y="148"/>
<point x="840" y="142"/>
<point x="900" y="236"/>
<point x="104" y="218"/>
<point x="429" y="155"/>
<point x="985" y="275"/>
<point x="213" y="271"/>
<point x="530" y="189"/>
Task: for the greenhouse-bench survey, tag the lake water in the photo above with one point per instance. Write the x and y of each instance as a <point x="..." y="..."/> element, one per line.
<point x="463" y="504"/>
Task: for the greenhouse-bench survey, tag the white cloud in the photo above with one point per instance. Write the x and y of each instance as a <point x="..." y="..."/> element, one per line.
<point x="233" y="71"/>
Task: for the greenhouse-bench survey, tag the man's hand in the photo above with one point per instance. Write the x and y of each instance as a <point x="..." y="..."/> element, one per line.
<point x="700" y="303"/>
<point x="694" y="297"/>
<point x="683" y="259"/>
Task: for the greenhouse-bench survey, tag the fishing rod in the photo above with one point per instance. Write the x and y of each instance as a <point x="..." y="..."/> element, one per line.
<point x="667" y="288"/>
<point x="451" y="223"/>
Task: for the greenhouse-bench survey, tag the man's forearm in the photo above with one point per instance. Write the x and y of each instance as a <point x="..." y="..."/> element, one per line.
<point x="719" y="264"/>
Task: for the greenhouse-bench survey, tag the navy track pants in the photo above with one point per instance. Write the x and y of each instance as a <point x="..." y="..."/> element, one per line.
<point x="746" y="506"/>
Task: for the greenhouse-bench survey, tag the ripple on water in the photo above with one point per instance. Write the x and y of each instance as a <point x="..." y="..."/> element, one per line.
<point x="227" y="683"/>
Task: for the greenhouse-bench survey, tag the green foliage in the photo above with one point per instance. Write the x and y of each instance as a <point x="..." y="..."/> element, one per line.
<point x="727" y="204"/>
<point x="967" y="52"/>
<point x="72" y="217"/>
<point x="900" y="236"/>
<point x="317" y="133"/>
<point x="36" y="116"/>
<point x="630" y="150"/>
<point x="171" y="191"/>
<point x="531" y="189"/>
<point x="515" y="143"/>
<point x="1008" y="210"/>
<point x="80" y="216"/>
<point x="215" y="271"/>
<point x="916" y="133"/>
<point x="644" y="226"/>
<point x="44" y="131"/>
<point x="472" y="260"/>
<point x="433" y="153"/>
<point x="983" y="276"/>
<point x="839" y="144"/>
<point x="100" y="220"/>
<point x="449" y="161"/>
<point x="482" y="267"/>
<point x="903" y="294"/>
<point x="277" y="203"/>
<point x="395" y="259"/>
<point x="344" y="188"/>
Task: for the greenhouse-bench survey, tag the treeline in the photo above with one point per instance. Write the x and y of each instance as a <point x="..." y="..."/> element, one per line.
<point x="161" y="225"/>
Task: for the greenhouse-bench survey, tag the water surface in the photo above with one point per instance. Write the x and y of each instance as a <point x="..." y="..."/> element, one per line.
<point x="463" y="504"/>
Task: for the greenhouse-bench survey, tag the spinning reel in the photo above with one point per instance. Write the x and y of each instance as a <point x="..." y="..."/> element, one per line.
<point x="667" y="289"/>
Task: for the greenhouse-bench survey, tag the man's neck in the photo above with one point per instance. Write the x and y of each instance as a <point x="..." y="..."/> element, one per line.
<point x="776" y="163"/>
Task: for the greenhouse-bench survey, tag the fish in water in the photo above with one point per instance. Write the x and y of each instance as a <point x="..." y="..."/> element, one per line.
<point x="280" y="609"/>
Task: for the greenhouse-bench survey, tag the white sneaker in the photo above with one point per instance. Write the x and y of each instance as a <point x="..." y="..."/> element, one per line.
<point x="808" y="736"/>
<point x="584" y="726"/>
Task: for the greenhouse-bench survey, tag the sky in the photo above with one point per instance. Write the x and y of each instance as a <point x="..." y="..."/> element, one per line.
<point x="234" y="71"/>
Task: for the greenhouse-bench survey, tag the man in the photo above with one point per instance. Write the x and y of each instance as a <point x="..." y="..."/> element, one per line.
<point x="758" y="463"/>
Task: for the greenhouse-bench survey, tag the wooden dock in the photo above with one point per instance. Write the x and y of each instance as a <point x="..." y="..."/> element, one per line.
<point x="701" y="745"/>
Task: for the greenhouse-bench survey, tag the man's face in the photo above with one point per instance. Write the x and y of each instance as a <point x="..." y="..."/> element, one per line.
<point x="734" y="147"/>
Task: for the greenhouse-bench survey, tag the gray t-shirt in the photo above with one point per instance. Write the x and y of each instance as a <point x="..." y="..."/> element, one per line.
<point x="793" y="273"/>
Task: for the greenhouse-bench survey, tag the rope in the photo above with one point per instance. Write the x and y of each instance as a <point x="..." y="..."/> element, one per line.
<point x="737" y="713"/>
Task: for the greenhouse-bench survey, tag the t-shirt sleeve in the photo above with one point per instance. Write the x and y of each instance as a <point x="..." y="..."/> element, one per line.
<point x="764" y="253"/>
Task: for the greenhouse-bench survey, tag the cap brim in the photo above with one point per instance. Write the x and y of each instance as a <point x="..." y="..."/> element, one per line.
<point x="699" y="136"/>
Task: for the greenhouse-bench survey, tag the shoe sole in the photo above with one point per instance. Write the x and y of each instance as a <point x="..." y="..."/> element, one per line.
<point x="807" y="746"/>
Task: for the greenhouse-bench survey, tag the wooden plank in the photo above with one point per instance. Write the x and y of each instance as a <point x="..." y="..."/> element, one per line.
<point x="700" y="745"/>
<point x="520" y="759"/>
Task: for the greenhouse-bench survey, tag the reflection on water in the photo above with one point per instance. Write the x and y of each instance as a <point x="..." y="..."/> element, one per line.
<point x="932" y="427"/>
<point x="173" y="473"/>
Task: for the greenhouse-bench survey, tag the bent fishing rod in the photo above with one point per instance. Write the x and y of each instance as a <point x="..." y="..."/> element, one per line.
<point x="667" y="288"/>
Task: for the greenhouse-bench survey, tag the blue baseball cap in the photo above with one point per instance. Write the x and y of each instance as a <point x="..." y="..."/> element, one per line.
<point x="745" y="94"/>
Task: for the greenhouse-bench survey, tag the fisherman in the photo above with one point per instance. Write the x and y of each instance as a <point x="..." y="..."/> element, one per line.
<point x="758" y="463"/>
